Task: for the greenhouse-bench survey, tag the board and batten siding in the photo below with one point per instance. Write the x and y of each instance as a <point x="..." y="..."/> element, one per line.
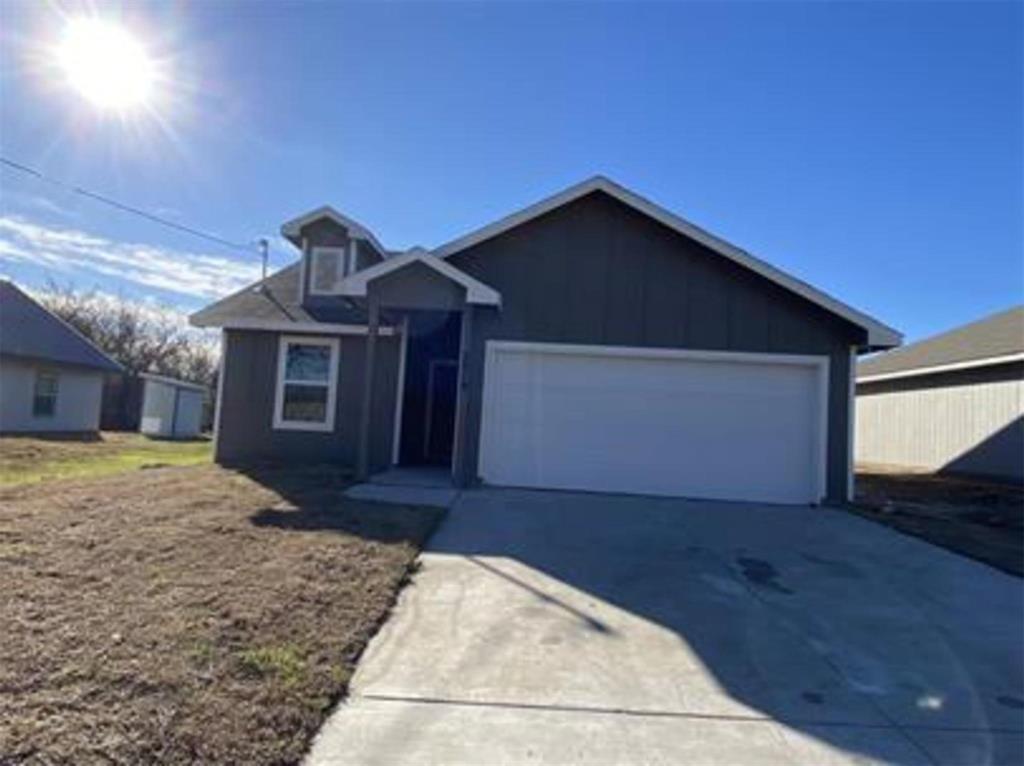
<point x="245" y="430"/>
<point x="79" y="395"/>
<point x="596" y="271"/>
<point x="968" y="421"/>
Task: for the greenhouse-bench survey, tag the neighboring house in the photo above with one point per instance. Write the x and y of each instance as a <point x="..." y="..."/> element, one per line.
<point x="954" y="402"/>
<point x="171" y="408"/>
<point x="591" y="341"/>
<point x="51" y="376"/>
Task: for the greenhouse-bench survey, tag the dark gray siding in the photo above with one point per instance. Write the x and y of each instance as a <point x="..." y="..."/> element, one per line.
<point x="366" y="255"/>
<point x="598" y="272"/>
<point x="418" y="287"/>
<point x="246" y="430"/>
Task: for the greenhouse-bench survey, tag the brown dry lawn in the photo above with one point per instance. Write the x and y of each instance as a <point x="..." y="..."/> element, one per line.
<point x="980" y="519"/>
<point x="183" y="615"/>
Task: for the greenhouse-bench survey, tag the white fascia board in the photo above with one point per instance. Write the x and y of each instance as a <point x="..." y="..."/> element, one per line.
<point x="322" y="328"/>
<point x="477" y="292"/>
<point x="291" y="230"/>
<point x="952" y="367"/>
<point x="879" y="334"/>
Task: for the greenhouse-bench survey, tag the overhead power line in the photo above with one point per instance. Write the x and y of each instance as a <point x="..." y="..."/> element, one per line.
<point x="123" y="207"/>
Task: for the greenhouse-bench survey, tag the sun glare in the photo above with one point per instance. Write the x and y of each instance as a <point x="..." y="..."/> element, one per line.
<point x="105" y="64"/>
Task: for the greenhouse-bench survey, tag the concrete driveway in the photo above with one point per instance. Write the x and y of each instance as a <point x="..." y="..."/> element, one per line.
<point x="553" y="627"/>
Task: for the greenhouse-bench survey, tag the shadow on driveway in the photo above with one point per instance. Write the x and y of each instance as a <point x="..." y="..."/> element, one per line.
<point x="851" y="640"/>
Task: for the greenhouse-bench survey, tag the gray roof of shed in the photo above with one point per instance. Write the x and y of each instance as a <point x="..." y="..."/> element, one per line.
<point x="276" y="299"/>
<point x="995" y="337"/>
<point x="29" y="330"/>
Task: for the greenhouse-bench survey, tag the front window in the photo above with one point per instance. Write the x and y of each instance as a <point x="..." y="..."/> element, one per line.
<point x="306" y="383"/>
<point x="44" y="395"/>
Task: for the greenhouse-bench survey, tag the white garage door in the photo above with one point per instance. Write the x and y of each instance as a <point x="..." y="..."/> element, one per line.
<point x="654" y="421"/>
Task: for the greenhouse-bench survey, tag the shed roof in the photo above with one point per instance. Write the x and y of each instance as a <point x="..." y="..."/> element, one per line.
<point x="174" y="382"/>
<point x="29" y="330"/>
<point x="996" y="339"/>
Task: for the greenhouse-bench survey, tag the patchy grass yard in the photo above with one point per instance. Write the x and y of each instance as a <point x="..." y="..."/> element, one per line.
<point x="30" y="459"/>
<point x="200" y="615"/>
<point x="979" y="519"/>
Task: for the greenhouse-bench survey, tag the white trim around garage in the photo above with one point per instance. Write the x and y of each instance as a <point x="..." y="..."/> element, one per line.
<point x="879" y="334"/>
<point x="952" y="367"/>
<point x="331" y="383"/>
<point x="820" y="363"/>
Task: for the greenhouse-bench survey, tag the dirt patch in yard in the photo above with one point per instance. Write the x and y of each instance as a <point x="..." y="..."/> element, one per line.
<point x="185" y="615"/>
<point x="980" y="519"/>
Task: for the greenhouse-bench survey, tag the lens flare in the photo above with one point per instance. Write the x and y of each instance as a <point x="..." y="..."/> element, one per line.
<point x="106" y="64"/>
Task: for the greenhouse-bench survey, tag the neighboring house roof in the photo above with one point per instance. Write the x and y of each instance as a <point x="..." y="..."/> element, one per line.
<point x="996" y="339"/>
<point x="29" y="330"/>
<point x="276" y="304"/>
<point x="172" y="382"/>
<point x="476" y="291"/>
<point x="292" y="230"/>
<point x="879" y="334"/>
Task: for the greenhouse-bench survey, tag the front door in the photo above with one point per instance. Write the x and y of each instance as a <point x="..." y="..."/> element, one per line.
<point x="439" y="429"/>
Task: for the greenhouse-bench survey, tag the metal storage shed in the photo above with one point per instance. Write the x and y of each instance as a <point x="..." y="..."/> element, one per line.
<point x="171" y="408"/>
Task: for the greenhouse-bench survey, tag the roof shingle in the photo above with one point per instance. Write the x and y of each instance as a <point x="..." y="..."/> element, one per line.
<point x="276" y="299"/>
<point x="29" y="330"/>
<point x="999" y="335"/>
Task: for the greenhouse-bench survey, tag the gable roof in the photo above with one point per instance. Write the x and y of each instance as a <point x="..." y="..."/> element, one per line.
<point x="292" y="230"/>
<point x="477" y="292"/>
<point x="29" y="330"/>
<point x="879" y="334"/>
<point x="996" y="339"/>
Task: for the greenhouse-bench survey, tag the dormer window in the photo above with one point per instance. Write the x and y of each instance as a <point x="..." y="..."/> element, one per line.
<point x="328" y="266"/>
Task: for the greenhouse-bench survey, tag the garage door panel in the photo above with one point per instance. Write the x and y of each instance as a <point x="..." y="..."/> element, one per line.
<point x="676" y="426"/>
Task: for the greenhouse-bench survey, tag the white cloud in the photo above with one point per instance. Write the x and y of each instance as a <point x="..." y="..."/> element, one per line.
<point x="70" y="250"/>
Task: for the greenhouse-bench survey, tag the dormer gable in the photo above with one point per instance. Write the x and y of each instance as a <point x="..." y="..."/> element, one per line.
<point x="333" y="247"/>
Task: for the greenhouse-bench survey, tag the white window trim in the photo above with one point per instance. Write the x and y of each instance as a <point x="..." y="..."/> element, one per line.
<point x="333" y="344"/>
<point x="340" y="255"/>
<point x="350" y="259"/>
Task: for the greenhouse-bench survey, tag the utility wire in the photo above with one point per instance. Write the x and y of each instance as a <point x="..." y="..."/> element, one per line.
<point x="124" y="207"/>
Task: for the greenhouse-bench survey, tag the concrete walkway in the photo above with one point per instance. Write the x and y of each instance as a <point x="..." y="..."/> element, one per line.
<point x="589" y="629"/>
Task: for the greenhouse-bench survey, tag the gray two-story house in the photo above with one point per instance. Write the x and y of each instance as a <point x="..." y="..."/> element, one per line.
<point x="591" y="341"/>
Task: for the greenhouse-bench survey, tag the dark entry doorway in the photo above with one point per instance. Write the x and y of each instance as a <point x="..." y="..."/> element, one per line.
<point x="431" y="388"/>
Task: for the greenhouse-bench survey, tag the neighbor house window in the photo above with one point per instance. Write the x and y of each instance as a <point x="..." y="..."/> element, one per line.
<point x="44" y="395"/>
<point x="328" y="268"/>
<point x="307" y="377"/>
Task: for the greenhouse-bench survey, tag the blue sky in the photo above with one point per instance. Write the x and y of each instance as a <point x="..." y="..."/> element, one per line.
<point x="875" y="149"/>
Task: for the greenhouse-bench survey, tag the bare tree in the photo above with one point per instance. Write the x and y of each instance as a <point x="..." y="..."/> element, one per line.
<point x="141" y="338"/>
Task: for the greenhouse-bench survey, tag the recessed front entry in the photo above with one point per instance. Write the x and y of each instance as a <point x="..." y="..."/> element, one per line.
<point x="430" y="388"/>
<point x="719" y="425"/>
